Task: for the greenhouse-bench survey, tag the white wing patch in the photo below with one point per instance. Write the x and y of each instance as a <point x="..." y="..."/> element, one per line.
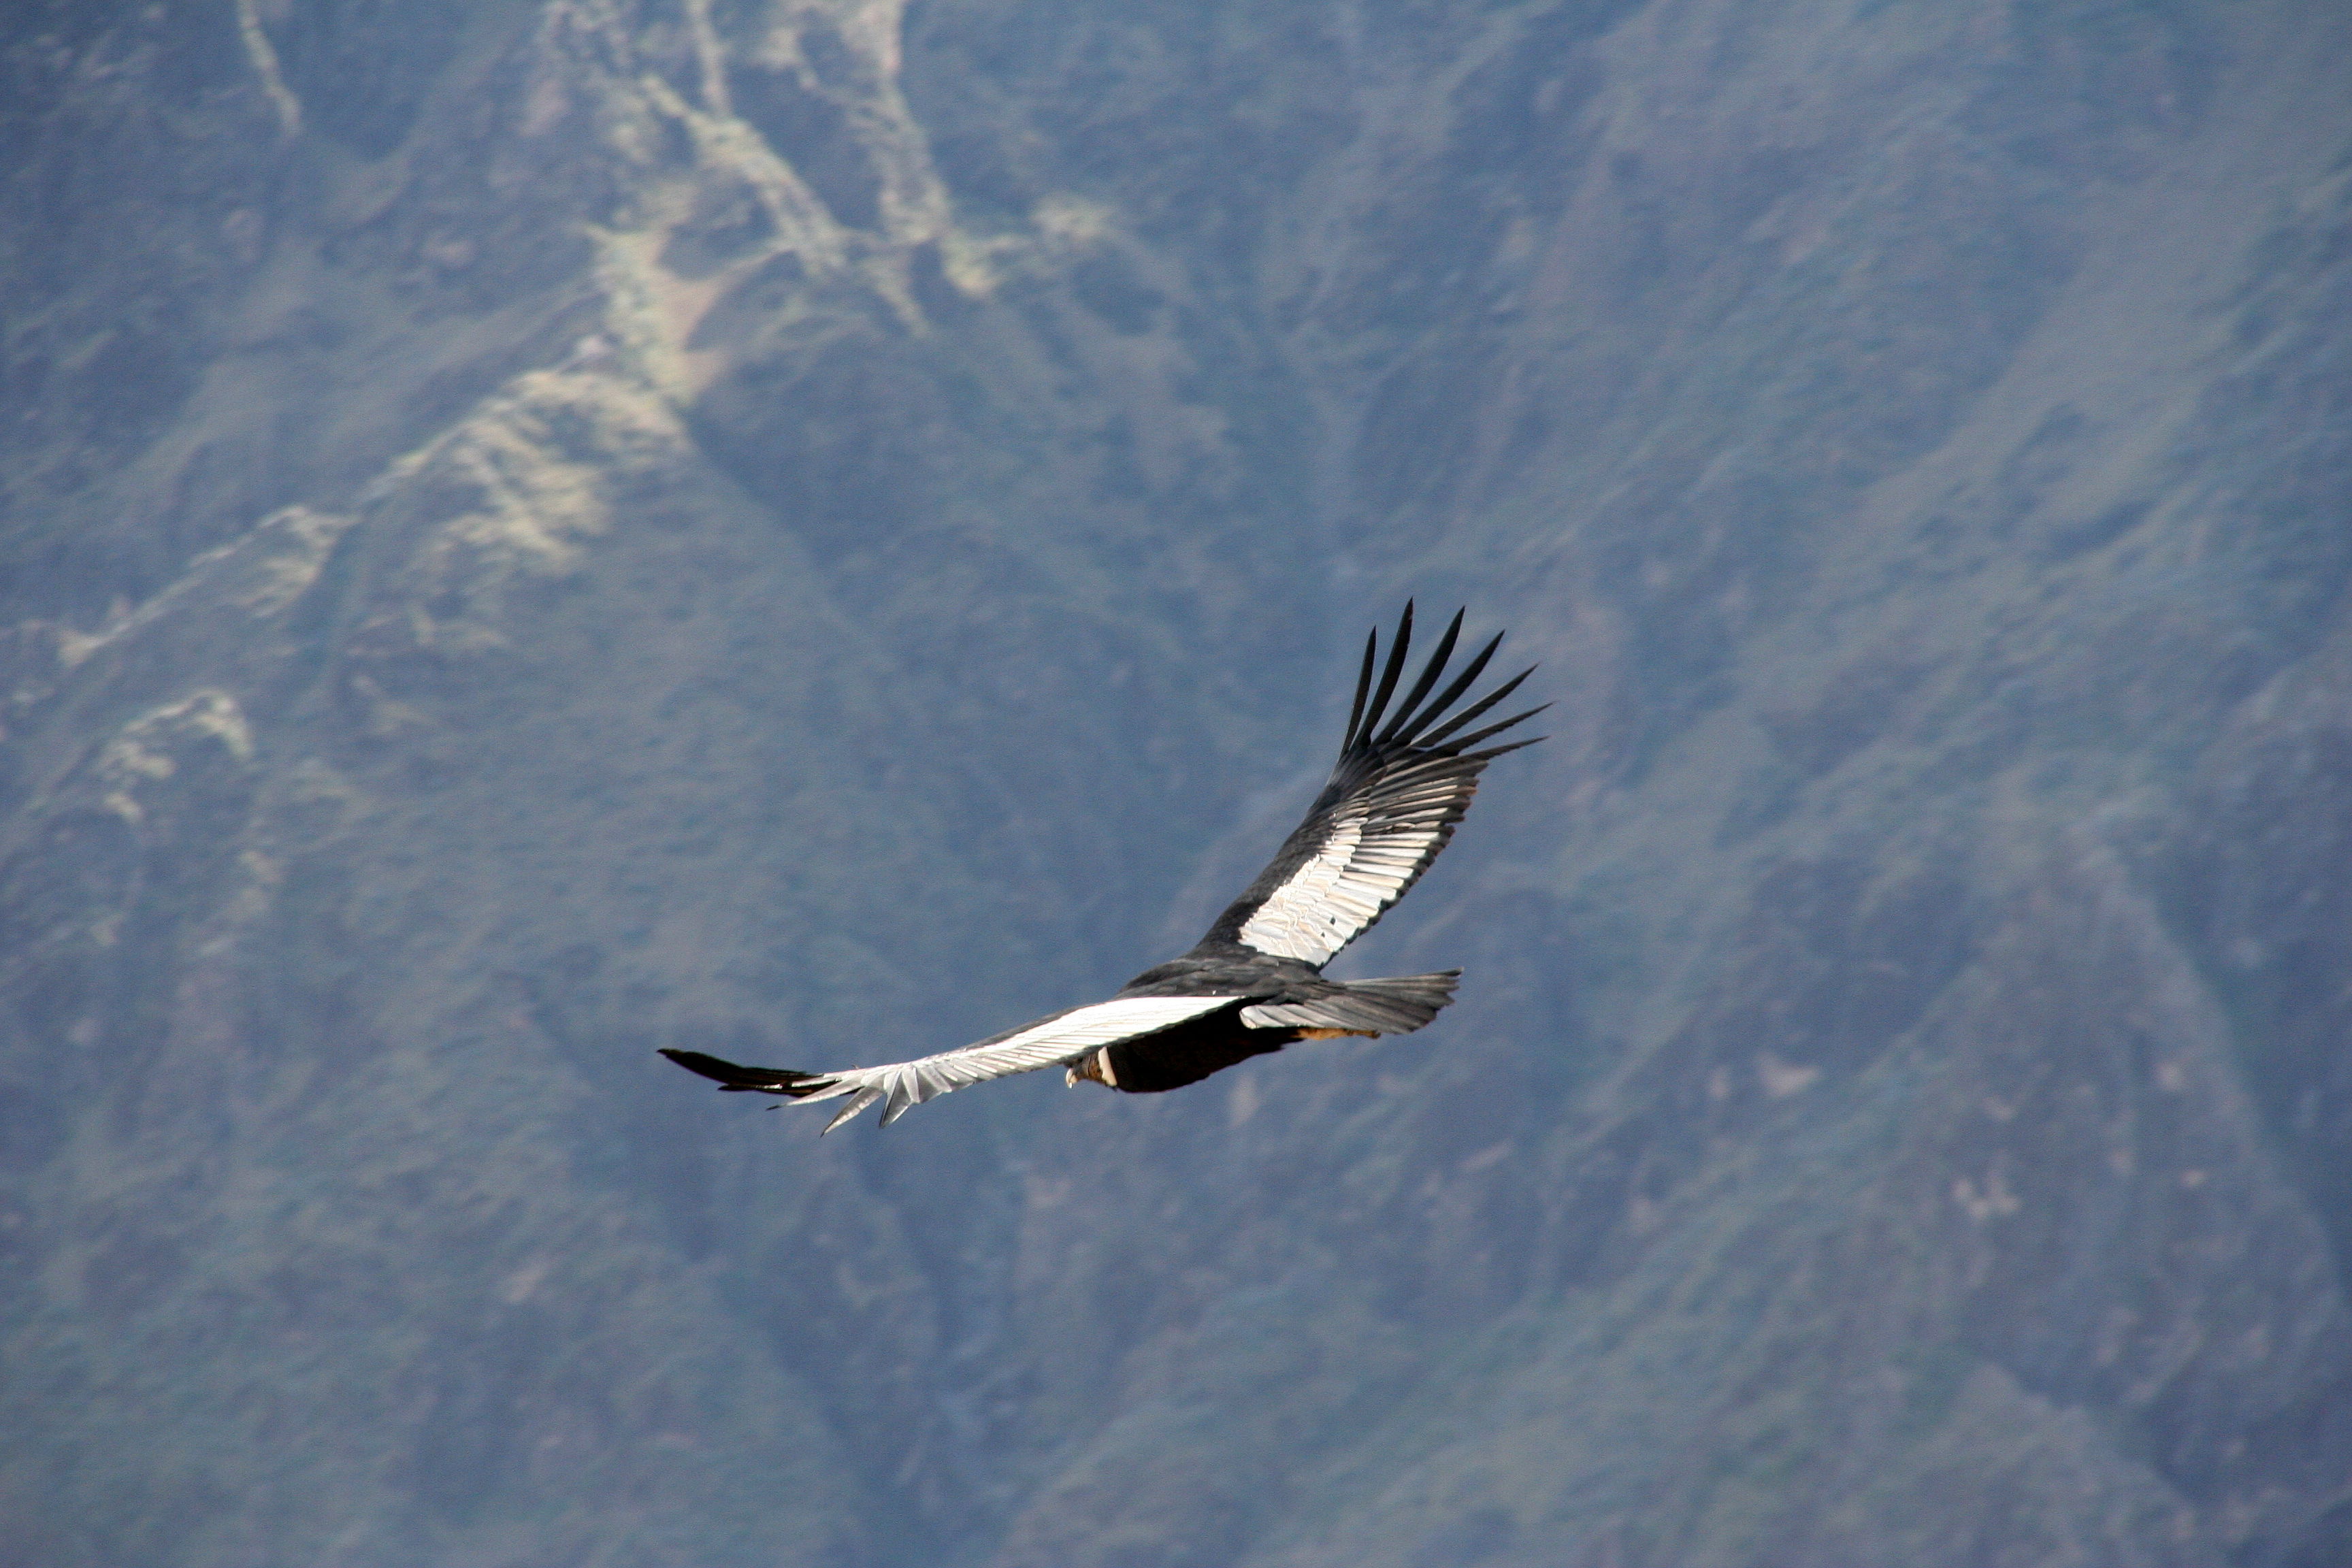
<point x="1372" y="852"/>
<point x="1048" y="1042"/>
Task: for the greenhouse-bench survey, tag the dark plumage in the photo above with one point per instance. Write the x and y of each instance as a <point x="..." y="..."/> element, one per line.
<point x="1254" y="983"/>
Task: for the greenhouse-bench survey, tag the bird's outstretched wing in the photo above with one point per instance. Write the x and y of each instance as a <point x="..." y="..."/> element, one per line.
<point x="1051" y="1041"/>
<point x="1389" y="807"/>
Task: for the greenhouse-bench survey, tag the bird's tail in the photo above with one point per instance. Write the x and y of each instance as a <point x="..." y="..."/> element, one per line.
<point x="1396" y="1005"/>
<point x="738" y="1080"/>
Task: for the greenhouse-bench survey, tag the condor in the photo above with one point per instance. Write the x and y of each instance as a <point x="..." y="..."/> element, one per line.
<point x="1255" y="984"/>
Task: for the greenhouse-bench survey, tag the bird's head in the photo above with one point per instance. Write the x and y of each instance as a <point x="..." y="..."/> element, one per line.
<point x="1092" y="1068"/>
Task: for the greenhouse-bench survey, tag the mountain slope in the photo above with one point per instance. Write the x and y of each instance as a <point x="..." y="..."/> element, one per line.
<point x="815" y="532"/>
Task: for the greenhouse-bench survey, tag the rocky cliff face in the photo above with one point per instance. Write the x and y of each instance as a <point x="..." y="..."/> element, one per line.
<point x="820" y="529"/>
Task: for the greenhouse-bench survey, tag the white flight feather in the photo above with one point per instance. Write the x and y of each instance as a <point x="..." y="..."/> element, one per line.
<point x="1364" y="865"/>
<point x="1049" y="1042"/>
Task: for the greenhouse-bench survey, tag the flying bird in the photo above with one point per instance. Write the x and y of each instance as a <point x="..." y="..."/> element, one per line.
<point x="1256" y="982"/>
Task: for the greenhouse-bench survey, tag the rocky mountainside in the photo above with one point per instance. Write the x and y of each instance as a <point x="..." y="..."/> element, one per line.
<point x="820" y="529"/>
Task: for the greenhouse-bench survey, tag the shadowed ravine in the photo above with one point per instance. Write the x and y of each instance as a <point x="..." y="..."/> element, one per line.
<point x="814" y="530"/>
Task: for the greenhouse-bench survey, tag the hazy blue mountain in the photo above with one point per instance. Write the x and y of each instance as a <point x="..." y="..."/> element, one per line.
<point x="818" y="530"/>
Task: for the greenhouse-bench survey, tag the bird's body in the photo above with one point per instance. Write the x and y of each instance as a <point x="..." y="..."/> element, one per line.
<point x="1254" y="983"/>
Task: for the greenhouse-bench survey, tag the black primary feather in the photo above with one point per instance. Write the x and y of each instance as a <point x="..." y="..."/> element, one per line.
<point x="738" y="1080"/>
<point x="1363" y="688"/>
<point x="1453" y="694"/>
<point x="1397" y="647"/>
<point x="1429" y="674"/>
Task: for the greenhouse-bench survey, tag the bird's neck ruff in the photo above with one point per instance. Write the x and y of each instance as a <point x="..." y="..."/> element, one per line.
<point x="1092" y="1068"/>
